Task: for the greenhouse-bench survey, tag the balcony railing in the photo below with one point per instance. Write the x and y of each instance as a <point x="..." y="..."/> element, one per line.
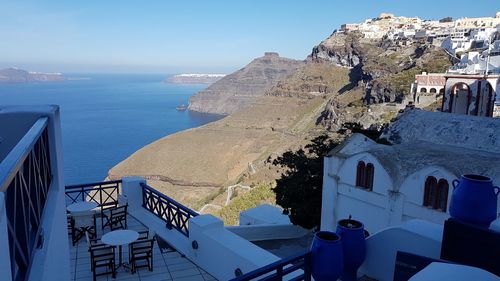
<point x="172" y="212"/>
<point x="105" y="194"/>
<point x="25" y="179"/>
<point x="298" y="265"/>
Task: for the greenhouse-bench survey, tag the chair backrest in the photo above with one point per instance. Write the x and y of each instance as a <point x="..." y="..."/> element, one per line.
<point x="102" y="252"/>
<point x="142" y="246"/>
<point x="120" y="211"/>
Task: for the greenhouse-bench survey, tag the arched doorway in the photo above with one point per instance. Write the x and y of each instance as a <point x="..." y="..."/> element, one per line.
<point x="460" y="98"/>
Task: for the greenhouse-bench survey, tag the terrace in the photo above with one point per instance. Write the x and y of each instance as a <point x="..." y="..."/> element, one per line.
<point x="168" y="263"/>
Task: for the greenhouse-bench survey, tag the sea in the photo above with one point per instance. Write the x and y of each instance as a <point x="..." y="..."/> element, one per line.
<point x="107" y="117"/>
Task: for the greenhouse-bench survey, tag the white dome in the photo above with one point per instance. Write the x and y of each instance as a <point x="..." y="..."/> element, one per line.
<point x="498" y="15"/>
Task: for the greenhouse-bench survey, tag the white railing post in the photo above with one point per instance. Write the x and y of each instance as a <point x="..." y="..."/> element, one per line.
<point x="132" y="190"/>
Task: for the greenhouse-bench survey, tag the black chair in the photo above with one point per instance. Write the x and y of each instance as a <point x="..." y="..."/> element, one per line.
<point x="81" y="224"/>
<point x="101" y="256"/>
<point x="115" y="218"/>
<point x="141" y="250"/>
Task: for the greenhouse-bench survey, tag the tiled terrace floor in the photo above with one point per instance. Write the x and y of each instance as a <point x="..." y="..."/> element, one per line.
<point x="169" y="265"/>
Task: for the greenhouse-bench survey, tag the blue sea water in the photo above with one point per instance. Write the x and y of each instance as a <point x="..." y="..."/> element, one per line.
<point x="106" y="118"/>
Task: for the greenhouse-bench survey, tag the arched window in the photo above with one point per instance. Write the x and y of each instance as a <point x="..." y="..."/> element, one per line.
<point x="442" y="198"/>
<point x="430" y="191"/>
<point x="360" y="174"/>
<point x="433" y="90"/>
<point x="436" y="193"/>
<point x="423" y="90"/>
<point x="369" y="174"/>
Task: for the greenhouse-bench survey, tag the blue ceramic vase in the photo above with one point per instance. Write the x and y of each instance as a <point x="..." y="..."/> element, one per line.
<point x="326" y="256"/>
<point x="352" y="234"/>
<point x="474" y="200"/>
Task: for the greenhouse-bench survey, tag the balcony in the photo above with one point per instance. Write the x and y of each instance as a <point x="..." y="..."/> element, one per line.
<point x="168" y="264"/>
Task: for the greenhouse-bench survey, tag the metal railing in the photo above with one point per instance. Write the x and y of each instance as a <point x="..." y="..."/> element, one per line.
<point x="105" y="194"/>
<point x="299" y="265"/>
<point x="25" y="179"/>
<point x="172" y="212"/>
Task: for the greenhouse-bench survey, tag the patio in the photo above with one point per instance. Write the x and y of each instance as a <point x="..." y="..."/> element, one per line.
<point x="167" y="265"/>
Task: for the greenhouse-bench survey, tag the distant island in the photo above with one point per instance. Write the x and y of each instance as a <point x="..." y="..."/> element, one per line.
<point x="16" y="75"/>
<point x="194" y="78"/>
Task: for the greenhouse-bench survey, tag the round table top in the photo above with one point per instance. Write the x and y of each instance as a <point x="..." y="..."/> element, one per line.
<point x="81" y="207"/>
<point x="120" y="237"/>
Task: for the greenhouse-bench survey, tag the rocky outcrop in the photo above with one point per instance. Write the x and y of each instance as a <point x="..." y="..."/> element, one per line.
<point x="386" y="67"/>
<point x="15" y="75"/>
<point x="241" y="88"/>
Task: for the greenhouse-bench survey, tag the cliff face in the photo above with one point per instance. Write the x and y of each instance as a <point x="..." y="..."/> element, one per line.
<point x="386" y="67"/>
<point x="14" y="75"/>
<point x="241" y="88"/>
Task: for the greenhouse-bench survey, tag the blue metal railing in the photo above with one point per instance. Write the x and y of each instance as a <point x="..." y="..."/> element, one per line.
<point x="172" y="212"/>
<point x="25" y="179"/>
<point x="297" y="267"/>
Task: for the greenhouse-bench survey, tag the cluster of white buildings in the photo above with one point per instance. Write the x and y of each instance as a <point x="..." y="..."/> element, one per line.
<point x="455" y="36"/>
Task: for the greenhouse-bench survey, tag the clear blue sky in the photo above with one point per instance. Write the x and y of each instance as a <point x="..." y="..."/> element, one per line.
<point x="186" y="36"/>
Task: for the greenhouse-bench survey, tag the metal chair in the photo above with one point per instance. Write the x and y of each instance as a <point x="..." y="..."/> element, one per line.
<point x="141" y="250"/>
<point x="143" y="235"/>
<point x="101" y="256"/>
<point x="115" y="218"/>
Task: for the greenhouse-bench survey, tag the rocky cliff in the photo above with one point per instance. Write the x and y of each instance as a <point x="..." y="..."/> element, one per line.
<point x="15" y="75"/>
<point x="241" y="88"/>
<point x="385" y="67"/>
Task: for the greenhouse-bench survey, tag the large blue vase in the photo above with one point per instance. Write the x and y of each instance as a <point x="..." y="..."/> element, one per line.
<point x="326" y="256"/>
<point x="474" y="200"/>
<point x="352" y="234"/>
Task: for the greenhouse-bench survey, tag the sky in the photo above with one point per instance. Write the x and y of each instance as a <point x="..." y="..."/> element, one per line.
<point x="186" y="36"/>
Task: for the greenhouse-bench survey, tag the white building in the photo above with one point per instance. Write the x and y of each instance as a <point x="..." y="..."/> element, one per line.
<point x="385" y="185"/>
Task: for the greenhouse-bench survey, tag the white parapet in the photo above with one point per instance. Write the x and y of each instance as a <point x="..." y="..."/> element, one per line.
<point x="221" y="252"/>
<point x="264" y="214"/>
<point x="415" y="236"/>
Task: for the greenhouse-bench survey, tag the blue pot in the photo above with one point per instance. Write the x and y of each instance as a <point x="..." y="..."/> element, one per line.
<point x="352" y="233"/>
<point x="474" y="200"/>
<point x="326" y="256"/>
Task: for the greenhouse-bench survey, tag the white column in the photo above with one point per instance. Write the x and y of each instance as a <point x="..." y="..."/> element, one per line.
<point x="132" y="190"/>
<point x="329" y="195"/>
<point x="4" y="242"/>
